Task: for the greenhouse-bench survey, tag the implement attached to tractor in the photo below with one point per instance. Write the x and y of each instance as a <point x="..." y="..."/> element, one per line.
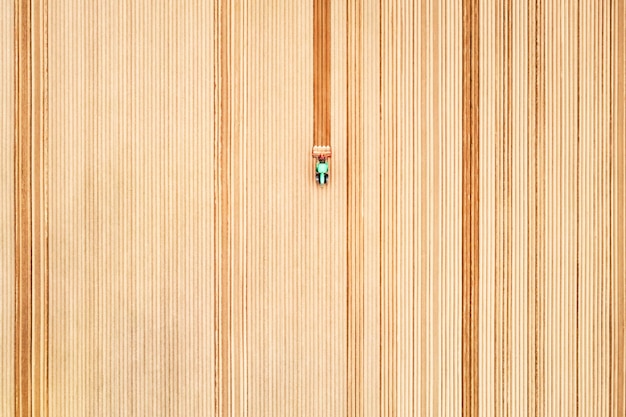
<point x="322" y="155"/>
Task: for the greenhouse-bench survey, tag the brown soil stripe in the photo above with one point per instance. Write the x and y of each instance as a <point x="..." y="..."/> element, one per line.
<point x="23" y="210"/>
<point x="470" y="208"/>
<point x="321" y="72"/>
<point x="30" y="210"/>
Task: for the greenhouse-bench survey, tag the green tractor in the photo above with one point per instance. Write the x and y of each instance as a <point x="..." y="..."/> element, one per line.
<point x="321" y="171"/>
<point x="322" y="156"/>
